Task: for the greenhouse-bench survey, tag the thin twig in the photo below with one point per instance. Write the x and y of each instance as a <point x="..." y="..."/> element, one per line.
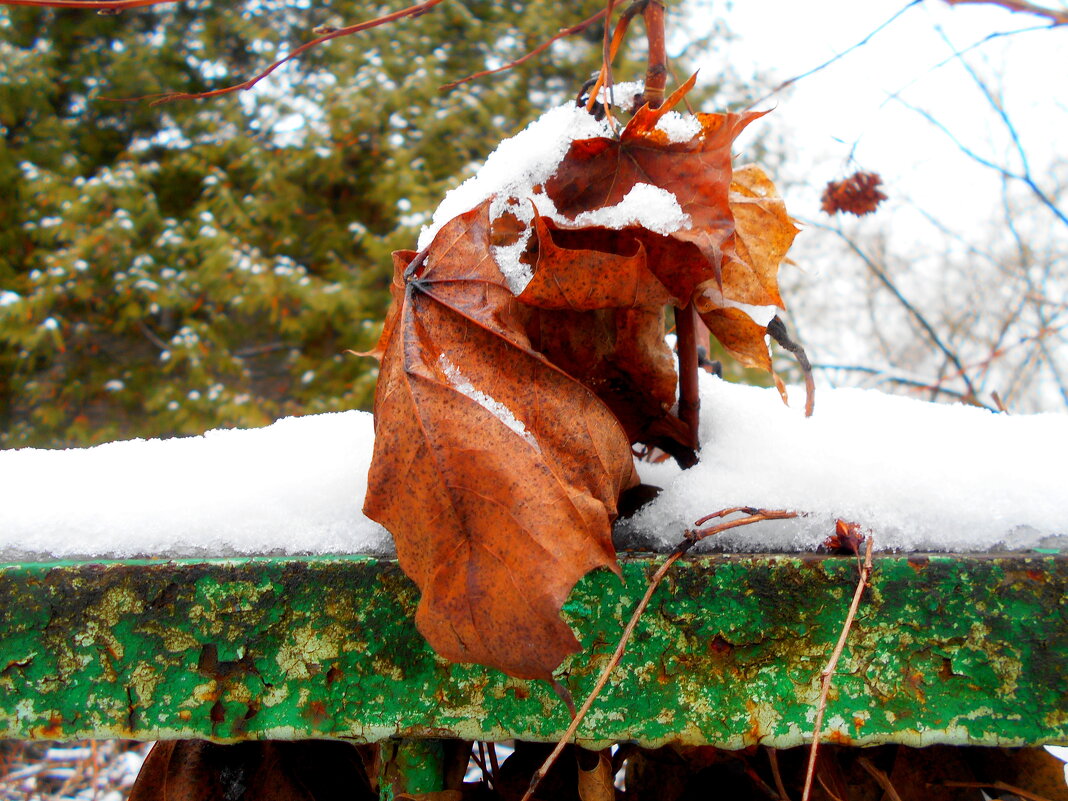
<point x="608" y="53"/>
<point x="1024" y="178"/>
<point x="776" y="775"/>
<point x="1055" y="16"/>
<point x="884" y="375"/>
<point x="692" y="538"/>
<point x="604" y="77"/>
<point x="880" y="777"/>
<point x="100" y="5"/>
<point x="480" y="761"/>
<point x="828" y="672"/>
<point x="412" y="11"/>
<point x="828" y="62"/>
<point x="827" y="789"/>
<point x="912" y="310"/>
<point x="564" y="32"/>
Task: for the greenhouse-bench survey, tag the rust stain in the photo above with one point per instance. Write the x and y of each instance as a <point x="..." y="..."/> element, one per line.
<point x="720" y="646"/>
<point x="946" y="671"/>
<point x="217" y="713"/>
<point x="53" y="730"/>
<point x="315" y="712"/>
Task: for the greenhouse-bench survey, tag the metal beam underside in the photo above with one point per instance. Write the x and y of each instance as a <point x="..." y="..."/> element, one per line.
<point x="945" y="649"/>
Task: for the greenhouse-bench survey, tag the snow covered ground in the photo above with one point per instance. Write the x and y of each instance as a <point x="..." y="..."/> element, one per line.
<point x="918" y="475"/>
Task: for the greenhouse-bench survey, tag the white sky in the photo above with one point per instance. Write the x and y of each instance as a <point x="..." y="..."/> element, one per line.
<point x="849" y="102"/>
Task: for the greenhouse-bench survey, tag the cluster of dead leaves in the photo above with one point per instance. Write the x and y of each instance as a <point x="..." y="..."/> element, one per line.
<point x="323" y="771"/>
<point x="859" y="194"/>
<point x="504" y="423"/>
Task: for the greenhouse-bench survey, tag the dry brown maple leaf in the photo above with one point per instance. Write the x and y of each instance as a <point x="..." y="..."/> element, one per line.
<point x="763" y="235"/>
<point x="495" y="471"/>
<point x="599" y="172"/>
<point x="858" y="194"/>
<point x="595" y="310"/>
<point x="739" y="231"/>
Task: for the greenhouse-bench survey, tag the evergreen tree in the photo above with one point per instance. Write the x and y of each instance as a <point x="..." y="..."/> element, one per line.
<point x="165" y="269"/>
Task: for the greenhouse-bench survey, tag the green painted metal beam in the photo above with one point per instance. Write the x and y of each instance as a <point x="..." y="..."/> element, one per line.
<point x="946" y="649"/>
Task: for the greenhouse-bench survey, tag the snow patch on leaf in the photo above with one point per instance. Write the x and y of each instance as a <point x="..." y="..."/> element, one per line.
<point x="645" y="206"/>
<point x="460" y="383"/>
<point x="679" y="127"/>
<point x="518" y="165"/>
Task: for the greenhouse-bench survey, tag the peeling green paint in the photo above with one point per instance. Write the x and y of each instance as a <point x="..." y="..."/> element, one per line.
<point x="945" y="649"/>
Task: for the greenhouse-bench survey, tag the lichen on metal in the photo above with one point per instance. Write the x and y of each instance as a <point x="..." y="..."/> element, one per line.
<point x="949" y="649"/>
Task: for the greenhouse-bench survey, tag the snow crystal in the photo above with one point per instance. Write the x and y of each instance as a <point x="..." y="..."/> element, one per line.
<point x="645" y="205"/>
<point x="490" y="404"/>
<point x="9" y="298"/>
<point x="518" y="164"/>
<point x="920" y="476"/>
<point x="296" y="486"/>
<point x="679" y="127"/>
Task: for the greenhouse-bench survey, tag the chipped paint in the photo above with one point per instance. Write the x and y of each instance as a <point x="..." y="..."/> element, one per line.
<point x="945" y="649"/>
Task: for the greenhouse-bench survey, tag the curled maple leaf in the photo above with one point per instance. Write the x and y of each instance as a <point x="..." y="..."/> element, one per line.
<point x="847" y="538"/>
<point x="858" y="194"/>
<point x="600" y="172"/>
<point x="764" y="233"/>
<point x="504" y="421"/>
<point x="496" y="472"/>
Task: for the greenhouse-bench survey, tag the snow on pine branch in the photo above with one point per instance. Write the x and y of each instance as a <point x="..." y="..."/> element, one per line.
<point x="922" y="476"/>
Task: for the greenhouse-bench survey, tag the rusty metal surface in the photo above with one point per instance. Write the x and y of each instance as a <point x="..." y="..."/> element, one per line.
<point x="948" y="649"/>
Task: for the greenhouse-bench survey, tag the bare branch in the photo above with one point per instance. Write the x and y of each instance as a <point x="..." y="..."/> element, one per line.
<point x="973" y="396"/>
<point x="99" y="5"/>
<point x="773" y="759"/>
<point x="412" y="11"/>
<point x="881" y="778"/>
<point x="832" y="60"/>
<point x="692" y="538"/>
<point x="564" y="32"/>
<point x="1025" y="177"/>
<point x="1055" y="16"/>
<point x="828" y="672"/>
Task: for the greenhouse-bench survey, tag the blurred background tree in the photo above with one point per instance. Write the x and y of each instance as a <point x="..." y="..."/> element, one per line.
<point x="166" y="269"/>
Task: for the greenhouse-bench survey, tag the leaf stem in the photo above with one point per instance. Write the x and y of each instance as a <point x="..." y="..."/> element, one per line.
<point x="656" y="72"/>
<point x="689" y="395"/>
